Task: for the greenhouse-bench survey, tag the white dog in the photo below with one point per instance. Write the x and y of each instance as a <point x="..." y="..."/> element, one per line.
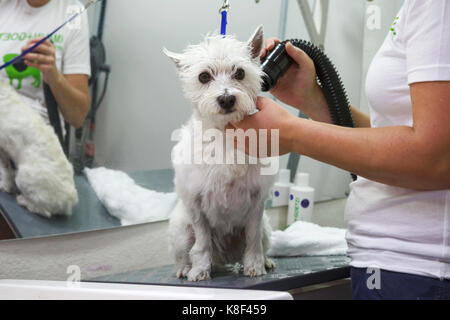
<point x="220" y="218"/>
<point x="44" y="176"/>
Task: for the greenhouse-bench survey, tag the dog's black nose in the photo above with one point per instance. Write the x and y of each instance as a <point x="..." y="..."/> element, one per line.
<point x="226" y="101"/>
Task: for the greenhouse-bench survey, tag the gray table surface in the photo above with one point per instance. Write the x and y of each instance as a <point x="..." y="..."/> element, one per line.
<point x="89" y="214"/>
<point x="289" y="274"/>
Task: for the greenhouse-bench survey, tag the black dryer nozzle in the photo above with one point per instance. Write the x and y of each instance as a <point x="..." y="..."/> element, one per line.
<point x="275" y="65"/>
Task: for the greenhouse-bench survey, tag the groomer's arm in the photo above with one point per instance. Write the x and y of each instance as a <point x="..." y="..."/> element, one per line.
<point x="416" y="157"/>
<point x="70" y="91"/>
<point x="72" y="94"/>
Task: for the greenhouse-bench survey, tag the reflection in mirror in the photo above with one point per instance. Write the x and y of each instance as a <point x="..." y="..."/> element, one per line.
<point x="121" y="153"/>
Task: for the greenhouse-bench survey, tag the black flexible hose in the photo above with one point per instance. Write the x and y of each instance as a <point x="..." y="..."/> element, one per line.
<point x="277" y="62"/>
<point x="330" y="82"/>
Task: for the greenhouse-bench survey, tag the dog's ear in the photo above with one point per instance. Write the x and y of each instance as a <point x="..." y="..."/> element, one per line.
<point x="176" y="57"/>
<point x="255" y="42"/>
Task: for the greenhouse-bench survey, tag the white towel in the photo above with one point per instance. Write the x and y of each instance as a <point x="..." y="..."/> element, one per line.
<point x="308" y="239"/>
<point x="125" y="200"/>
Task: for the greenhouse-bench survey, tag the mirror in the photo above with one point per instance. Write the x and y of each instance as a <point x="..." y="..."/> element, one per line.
<point x="143" y="103"/>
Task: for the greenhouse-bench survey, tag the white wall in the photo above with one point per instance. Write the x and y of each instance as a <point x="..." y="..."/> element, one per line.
<point x="144" y="103"/>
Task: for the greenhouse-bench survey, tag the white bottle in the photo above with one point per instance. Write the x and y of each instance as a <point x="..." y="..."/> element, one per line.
<point x="301" y="200"/>
<point x="281" y="189"/>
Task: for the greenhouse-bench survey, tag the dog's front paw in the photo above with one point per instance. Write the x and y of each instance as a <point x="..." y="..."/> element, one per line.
<point x="183" y="271"/>
<point x="197" y="274"/>
<point x="269" y="263"/>
<point x="254" y="267"/>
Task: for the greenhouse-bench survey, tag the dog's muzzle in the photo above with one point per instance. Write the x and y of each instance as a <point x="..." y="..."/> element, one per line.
<point x="227" y="102"/>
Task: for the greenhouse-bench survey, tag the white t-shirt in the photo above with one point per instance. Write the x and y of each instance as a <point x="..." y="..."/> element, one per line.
<point x="392" y="228"/>
<point x="19" y="23"/>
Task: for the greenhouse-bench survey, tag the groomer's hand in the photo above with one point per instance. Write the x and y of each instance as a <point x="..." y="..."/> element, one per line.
<point x="271" y="116"/>
<point x="298" y="87"/>
<point x="43" y="58"/>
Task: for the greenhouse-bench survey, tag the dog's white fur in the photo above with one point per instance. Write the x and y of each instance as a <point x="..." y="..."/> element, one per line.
<point x="220" y="217"/>
<point x="44" y="176"/>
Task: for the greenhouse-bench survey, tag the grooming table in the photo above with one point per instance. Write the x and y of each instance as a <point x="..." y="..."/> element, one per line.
<point x="89" y="214"/>
<point x="289" y="274"/>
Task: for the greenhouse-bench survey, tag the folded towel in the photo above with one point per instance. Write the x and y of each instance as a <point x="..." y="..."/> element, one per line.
<point x="125" y="200"/>
<point x="308" y="239"/>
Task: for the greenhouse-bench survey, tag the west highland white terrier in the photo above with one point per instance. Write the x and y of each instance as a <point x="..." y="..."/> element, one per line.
<point x="220" y="217"/>
<point x="43" y="176"/>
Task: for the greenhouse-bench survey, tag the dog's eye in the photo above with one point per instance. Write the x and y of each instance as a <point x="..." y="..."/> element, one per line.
<point x="204" y="77"/>
<point x="240" y="74"/>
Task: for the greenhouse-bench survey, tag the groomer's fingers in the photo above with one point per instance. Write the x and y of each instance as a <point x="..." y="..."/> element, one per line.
<point x="31" y="43"/>
<point x="299" y="56"/>
<point x="261" y="103"/>
<point x="42" y="67"/>
<point x="269" y="45"/>
<point x="38" y="58"/>
<point x="45" y="48"/>
<point x="230" y="127"/>
<point x="39" y="54"/>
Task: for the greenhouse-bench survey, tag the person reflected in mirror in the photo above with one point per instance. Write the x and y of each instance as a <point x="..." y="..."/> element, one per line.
<point x="63" y="62"/>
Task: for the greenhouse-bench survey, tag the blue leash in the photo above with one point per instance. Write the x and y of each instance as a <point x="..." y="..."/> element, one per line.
<point x="37" y="44"/>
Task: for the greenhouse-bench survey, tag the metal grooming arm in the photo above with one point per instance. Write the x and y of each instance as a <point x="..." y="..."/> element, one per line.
<point x="318" y="38"/>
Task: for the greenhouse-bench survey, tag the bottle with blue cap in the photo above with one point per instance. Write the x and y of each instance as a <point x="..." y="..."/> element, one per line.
<point x="301" y="200"/>
<point x="280" y="191"/>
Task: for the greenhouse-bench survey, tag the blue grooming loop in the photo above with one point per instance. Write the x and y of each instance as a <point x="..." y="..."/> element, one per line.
<point x="224" y="13"/>
<point x="223" y="27"/>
